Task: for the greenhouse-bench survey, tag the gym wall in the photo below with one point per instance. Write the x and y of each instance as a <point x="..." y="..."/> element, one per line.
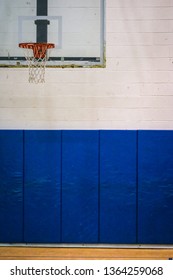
<point x="86" y="157"/>
<point x="133" y="91"/>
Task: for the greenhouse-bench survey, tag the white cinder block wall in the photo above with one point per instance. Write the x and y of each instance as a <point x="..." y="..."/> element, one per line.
<point x="134" y="91"/>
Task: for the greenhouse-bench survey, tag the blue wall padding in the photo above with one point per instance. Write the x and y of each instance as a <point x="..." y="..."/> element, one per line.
<point x="42" y="183"/>
<point x="11" y="186"/>
<point x="79" y="186"/>
<point x="155" y="187"/>
<point x="80" y="162"/>
<point x="118" y="187"/>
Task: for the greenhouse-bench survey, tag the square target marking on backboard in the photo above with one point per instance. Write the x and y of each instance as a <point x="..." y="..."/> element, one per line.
<point x="75" y="27"/>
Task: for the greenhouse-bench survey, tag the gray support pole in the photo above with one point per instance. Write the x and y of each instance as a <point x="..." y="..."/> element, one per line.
<point x="42" y="10"/>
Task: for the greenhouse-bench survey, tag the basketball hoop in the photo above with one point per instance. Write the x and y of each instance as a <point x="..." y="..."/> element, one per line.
<point x="37" y="54"/>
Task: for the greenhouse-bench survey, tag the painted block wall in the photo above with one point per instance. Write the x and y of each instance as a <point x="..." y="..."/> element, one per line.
<point x="134" y="91"/>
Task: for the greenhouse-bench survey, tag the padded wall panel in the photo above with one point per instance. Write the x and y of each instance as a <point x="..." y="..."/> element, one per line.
<point x="11" y="186"/>
<point x="118" y="186"/>
<point x="42" y="186"/>
<point x="80" y="186"/>
<point x="156" y="187"/>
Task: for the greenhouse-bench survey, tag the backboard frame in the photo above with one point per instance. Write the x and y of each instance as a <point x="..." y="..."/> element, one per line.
<point x="61" y="61"/>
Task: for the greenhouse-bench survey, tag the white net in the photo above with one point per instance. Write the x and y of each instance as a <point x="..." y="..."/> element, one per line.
<point x="36" y="69"/>
<point x="36" y="56"/>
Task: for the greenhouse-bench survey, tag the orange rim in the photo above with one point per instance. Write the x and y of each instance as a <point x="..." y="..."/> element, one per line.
<point x="39" y="49"/>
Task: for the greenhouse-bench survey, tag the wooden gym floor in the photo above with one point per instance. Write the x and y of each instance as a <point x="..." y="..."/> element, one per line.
<point x="28" y="253"/>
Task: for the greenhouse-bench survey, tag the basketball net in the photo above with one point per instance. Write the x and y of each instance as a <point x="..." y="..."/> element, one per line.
<point x="36" y="54"/>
